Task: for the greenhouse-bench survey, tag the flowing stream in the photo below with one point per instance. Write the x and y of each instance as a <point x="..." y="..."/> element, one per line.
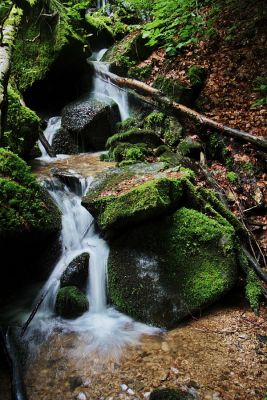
<point x="102" y="328"/>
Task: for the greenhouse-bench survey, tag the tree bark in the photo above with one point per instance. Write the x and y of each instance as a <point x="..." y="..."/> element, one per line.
<point x="147" y="90"/>
<point x="9" y="31"/>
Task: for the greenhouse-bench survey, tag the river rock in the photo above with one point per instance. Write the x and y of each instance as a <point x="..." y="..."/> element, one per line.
<point x="90" y="123"/>
<point x="170" y="394"/>
<point x="71" y="302"/>
<point x="162" y="271"/>
<point x="76" y="273"/>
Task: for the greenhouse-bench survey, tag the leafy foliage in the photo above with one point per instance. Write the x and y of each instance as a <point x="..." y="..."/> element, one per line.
<point x="175" y="24"/>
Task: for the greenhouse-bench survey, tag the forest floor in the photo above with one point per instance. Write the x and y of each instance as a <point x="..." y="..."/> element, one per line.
<point x="235" y="61"/>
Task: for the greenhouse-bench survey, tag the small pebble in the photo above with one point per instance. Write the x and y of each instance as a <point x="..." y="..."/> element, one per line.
<point x="124" y="387"/>
<point x="130" y="392"/>
<point x="174" y="370"/>
<point x="147" y="395"/>
<point x="81" y="396"/>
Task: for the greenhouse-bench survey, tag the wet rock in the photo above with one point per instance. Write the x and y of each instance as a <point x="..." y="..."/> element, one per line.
<point x="190" y="147"/>
<point x="160" y="272"/>
<point x="90" y="123"/>
<point x="76" y="273"/>
<point x="71" y="302"/>
<point x="64" y="143"/>
<point x="75" y="381"/>
<point x="170" y="394"/>
<point x="70" y="179"/>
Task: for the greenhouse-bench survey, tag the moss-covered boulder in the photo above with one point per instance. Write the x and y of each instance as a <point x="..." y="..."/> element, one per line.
<point x="76" y="273"/>
<point x="148" y="200"/>
<point x="162" y="271"/>
<point x="30" y="225"/>
<point x="124" y="54"/>
<point x="90" y="123"/>
<point x="23" y="125"/>
<point x="135" y="135"/>
<point x="71" y="302"/>
<point x="25" y="206"/>
<point x="190" y="147"/>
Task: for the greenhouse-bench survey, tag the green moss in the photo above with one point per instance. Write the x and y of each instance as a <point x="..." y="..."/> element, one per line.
<point x="189" y="147"/>
<point x="232" y="176"/>
<point x="131" y="48"/>
<point x="112" y="25"/>
<point x="134" y="135"/>
<point x="38" y="44"/>
<point x="253" y="291"/>
<point x="162" y="271"/>
<point x="173" y="89"/>
<point x="154" y="119"/>
<point x="196" y="75"/>
<point x="148" y="200"/>
<point x="140" y="73"/>
<point x="22" y="127"/>
<point x="210" y="197"/>
<point x="23" y="204"/>
<point x="71" y="302"/>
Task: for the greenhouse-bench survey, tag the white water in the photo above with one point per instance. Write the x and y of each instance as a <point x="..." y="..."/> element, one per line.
<point x="102" y="328"/>
<point x="104" y="89"/>
<point x="101" y="3"/>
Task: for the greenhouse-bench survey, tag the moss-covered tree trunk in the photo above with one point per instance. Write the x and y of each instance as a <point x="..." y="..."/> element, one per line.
<point x="9" y="31"/>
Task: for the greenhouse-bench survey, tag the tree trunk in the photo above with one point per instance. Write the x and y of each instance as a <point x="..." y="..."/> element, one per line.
<point x="147" y="90"/>
<point x="9" y="31"/>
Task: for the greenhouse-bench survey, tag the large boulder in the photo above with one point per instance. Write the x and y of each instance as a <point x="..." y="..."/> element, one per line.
<point x="162" y="271"/>
<point x="30" y="224"/>
<point x="148" y="200"/>
<point x="90" y="123"/>
<point x="76" y="273"/>
<point x="71" y="302"/>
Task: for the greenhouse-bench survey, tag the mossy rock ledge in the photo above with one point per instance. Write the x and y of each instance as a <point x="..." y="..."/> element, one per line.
<point x="149" y="200"/>
<point x="162" y="271"/>
<point x="71" y="302"/>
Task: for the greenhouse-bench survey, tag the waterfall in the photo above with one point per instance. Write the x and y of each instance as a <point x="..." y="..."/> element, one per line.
<point x="53" y="126"/>
<point x="104" y="89"/>
<point x="101" y="3"/>
<point x="103" y="328"/>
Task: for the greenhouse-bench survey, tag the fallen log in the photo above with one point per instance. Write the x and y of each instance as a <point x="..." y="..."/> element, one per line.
<point x="156" y="94"/>
<point x="34" y="311"/>
<point x="9" y="31"/>
<point x="46" y="145"/>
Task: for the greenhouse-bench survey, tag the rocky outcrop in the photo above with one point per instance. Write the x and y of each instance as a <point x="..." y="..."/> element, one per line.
<point x="86" y="126"/>
<point x="76" y="273"/>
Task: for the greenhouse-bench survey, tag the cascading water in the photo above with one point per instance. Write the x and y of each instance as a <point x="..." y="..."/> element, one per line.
<point x="104" y="89"/>
<point x="102" y="328"/>
<point x="53" y="126"/>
